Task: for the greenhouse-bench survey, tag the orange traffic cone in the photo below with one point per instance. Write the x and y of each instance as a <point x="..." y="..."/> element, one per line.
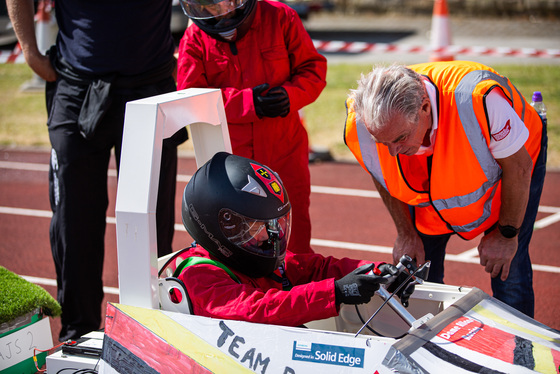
<point x="440" y="38"/>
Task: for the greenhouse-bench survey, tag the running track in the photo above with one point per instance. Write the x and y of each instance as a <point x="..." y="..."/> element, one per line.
<point x="348" y="219"/>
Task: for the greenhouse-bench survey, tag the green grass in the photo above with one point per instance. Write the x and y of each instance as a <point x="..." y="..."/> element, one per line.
<point x="18" y="297"/>
<point x="23" y="116"/>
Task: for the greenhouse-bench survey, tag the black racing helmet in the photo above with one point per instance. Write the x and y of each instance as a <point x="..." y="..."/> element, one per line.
<point x="239" y="211"/>
<point x="225" y="20"/>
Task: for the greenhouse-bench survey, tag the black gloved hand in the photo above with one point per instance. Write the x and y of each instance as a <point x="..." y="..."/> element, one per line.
<point x="388" y="269"/>
<point x="357" y="287"/>
<point x="275" y="103"/>
<point x="405" y="292"/>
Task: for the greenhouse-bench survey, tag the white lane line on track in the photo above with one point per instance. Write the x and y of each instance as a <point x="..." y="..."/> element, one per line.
<point x="23" y="166"/>
<point x="185" y="178"/>
<point x="470" y="256"/>
<point x="26" y="212"/>
<point x="465" y="257"/>
<point x="384" y="249"/>
<point x="37" y="167"/>
<point x="345" y="191"/>
<point x="115" y="290"/>
<point x="52" y="282"/>
<point x="542" y="223"/>
<point x="547" y="221"/>
<point x="352" y="246"/>
<point x="314" y="189"/>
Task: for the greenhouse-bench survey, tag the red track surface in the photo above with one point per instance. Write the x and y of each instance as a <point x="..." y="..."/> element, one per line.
<point x="350" y="219"/>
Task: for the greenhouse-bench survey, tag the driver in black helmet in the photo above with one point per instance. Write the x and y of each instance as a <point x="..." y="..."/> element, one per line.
<point x="239" y="215"/>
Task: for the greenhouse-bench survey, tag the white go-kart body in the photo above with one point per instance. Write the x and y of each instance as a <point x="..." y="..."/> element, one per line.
<point x="445" y="329"/>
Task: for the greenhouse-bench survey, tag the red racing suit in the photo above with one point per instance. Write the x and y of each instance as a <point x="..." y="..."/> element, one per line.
<point x="276" y="50"/>
<point x="214" y="293"/>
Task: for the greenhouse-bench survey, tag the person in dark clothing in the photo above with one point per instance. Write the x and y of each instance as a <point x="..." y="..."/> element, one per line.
<point x="106" y="54"/>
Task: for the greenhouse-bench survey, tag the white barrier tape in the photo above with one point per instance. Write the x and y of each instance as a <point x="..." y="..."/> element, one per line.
<point x="13" y="56"/>
<point x="6" y="57"/>
<point x="335" y="46"/>
<point x="362" y="47"/>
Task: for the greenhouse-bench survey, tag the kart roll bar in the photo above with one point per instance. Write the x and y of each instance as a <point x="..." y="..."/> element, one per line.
<point x="147" y="122"/>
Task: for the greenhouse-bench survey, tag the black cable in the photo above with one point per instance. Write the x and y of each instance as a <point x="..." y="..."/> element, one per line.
<point x="80" y="371"/>
<point x="373" y="330"/>
<point x="365" y="324"/>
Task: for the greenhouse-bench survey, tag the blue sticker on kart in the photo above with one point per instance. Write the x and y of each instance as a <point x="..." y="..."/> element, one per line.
<point x="328" y="354"/>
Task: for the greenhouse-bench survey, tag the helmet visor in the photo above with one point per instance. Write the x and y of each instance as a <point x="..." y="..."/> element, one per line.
<point x="266" y="238"/>
<point x="206" y="9"/>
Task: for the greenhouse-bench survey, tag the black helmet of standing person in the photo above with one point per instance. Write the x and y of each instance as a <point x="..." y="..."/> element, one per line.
<point x="225" y="20"/>
<point x="239" y="211"/>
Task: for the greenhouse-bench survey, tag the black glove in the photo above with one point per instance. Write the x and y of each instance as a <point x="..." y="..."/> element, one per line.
<point x="357" y="287"/>
<point x="388" y="269"/>
<point x="275" y="103"/>
<point x="405" y="292"/>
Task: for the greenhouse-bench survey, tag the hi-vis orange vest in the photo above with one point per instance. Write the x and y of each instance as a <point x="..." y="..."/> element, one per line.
<point x="458" y="188"/>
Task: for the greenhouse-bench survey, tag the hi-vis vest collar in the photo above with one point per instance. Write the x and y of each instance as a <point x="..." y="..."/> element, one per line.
<point x="439" y="208"/>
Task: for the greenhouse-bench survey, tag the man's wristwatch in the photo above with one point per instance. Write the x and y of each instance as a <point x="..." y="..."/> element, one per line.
<point x="508" y="231"/>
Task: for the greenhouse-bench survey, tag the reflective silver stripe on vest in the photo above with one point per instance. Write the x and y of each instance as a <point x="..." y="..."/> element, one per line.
<point x="369" y="153"/>
<point x="491" y="169"/>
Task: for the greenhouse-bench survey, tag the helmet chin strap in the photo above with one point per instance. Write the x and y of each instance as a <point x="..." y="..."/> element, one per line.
<point x="230" y="36"/>
<point x="280" y="276"/>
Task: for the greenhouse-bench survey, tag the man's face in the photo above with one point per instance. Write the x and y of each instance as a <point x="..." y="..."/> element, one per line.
<point x="223" y="9"/>
<point x="402" y="137"/>
<point x="259" y="233"/>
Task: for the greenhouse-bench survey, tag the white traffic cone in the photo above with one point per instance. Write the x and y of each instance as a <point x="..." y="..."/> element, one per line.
<point x="440" y="37"/>
<point x="45" y="26"/>
<point x="45" y="32"/>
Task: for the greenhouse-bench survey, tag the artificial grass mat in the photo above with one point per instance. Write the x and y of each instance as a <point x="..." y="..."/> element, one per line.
<point x="18" y="297"/>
